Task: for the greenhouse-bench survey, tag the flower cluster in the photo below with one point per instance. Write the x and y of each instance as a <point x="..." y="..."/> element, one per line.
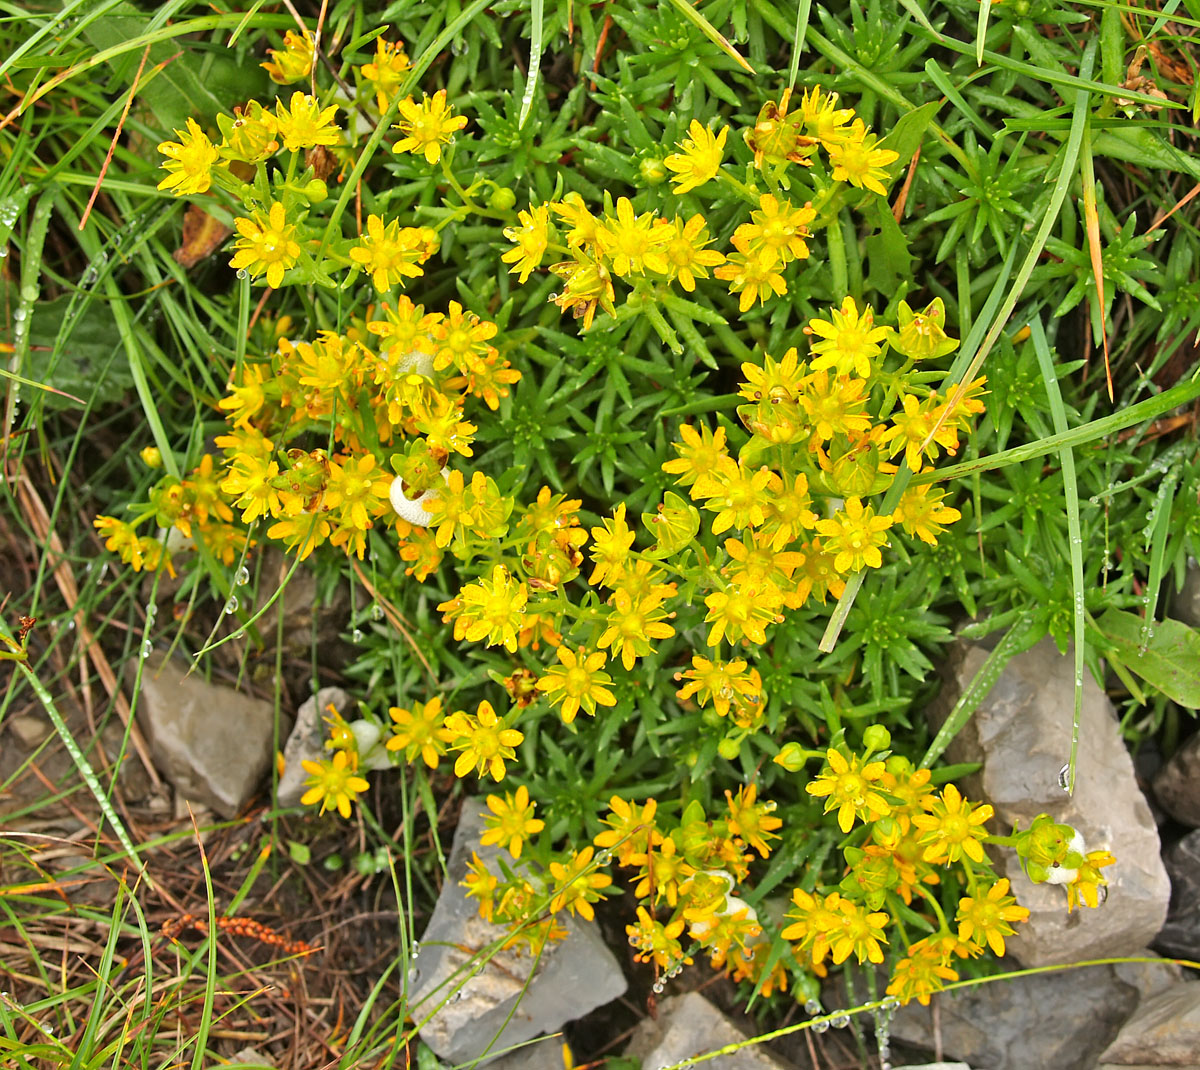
<point x="685" y="875"/>
<point x="907" y="835"/>
<point x="648" y="252"/>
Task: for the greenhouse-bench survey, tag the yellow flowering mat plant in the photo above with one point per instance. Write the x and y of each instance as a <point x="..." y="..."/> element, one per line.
<point x="641" y="406"/>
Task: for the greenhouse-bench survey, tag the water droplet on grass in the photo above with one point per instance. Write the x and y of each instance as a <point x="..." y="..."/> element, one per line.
<point x="841" y="1021"/>
<point x="147" y="648"/>
<point x="811" y="1006"/>
<point x="357" y="635"/>
<point x="232" y="605"/>
<point x="821" y="1026"/>
<point x="243" y="576"/>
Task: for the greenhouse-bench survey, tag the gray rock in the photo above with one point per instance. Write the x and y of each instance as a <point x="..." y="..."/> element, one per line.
<point x="544" y="1054"/>
<point x="1054" y="1020"/>
<point x="1181" y="934"/>
<point x="1185" y="605"/>
<point x="496" y="1008"/>
<point x="1177" y="786"/>
<point x="1021" y="733"/>
<point x="248" y="1059"/>
<point x="688" y="1026"/>
<point x="307" y="742"/>
<point x="1164" y="1031"/>
<point x="934" y="1066"/>
<point x="213" y="743"/>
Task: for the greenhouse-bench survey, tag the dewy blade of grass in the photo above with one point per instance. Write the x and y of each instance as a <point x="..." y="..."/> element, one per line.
<point x="974" y="693"/>
<point x="985" y="9"/>
<point x="27" y="295"/>
<point x="1062" y="183"/>
<point x="83" y="1051"/>
<point x="802" y="12"/>
<point x="1165" y="499"/>
<point x="1150" y="409"/>
<point x="1058" y="415"/>
<point x="210" y="979"/>
<point x="80" y="760"/>
<point x="685" y="8"/>
<point x="535" y="61"/>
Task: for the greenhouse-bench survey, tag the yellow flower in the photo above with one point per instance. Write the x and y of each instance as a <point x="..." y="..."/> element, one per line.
<point x="386" y="71"/>
<point x="481" y="884"/>
<point x="579" y="682"/>
<point x="249" y="135"/>
<point x="751" y="276"/>
<point x="588" y="287"/>
<point x="777" y="232"/>
<point x="1088" y="880"/>
<point x="835" y="405"/>
<point x="484" y="743"/>
<point x="700" y="159"/>
<point x="822" y="117"/>
<point x="121" y="539"/>
<point x="985" y="919"/>
<point x="850" y="340"/>
<point x="301" y="534"/>
<point x="630" y="829"/>
<point x="635" y="242"/>
<point x="420" y="730"/>
<point x="427" y="126"/>
<point x="752" y="820"/>
<point x="577" y="885"/>
<point x="493" y="609"/>
<point x="631" y="624"/>
<point x="699" y="453"/>
<point x="250" y="484"/>
<point x="741" y="612"/>
<point x="511" y="821"/>
<point x="952" y="828"/>
<point x="737" y="494"/>
<point x="924" y="971"/>
<point x="461" y="339"/>
<point x="921" y="513"/>
<point x="857" y="160"/>
<point x="266" y="244"/>
<point x="292" y="62"/>
<point x="854" y="535"/>
<point x="610" y="548"/>
<point x="357" y="490"/>
<point x="687" y="257"/>
<point x="189" y="161"/>
<point x="304" y="124"/>
<point x="530" y="238"/>
<point x="332" y="783"/>
<point x="850" y="788"/>
<point x="817" y="576"/>
<point x="720" y="683"/>
<point x="388" y="254"/>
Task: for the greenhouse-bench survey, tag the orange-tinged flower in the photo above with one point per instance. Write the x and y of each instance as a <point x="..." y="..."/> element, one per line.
<point x="333" y="783"/>
<point x="483" y="742"/>
<point x="511" y="821"/>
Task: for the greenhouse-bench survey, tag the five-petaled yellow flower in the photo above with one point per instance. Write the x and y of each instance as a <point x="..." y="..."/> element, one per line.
<point x="577" y="682"/>
<point x="850" y="788"/>
<point x="189" y="161"/>
<point x="334" y="783"/>
<point x="511" y="821"/>
<point x="700" y="159"/>
<point x="427" y="126"/>
<point x="266" y="244"/>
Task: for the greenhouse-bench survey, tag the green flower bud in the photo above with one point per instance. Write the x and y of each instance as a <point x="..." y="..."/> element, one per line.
<point x="653" y="172"/>
<point x="315" y="191"/>
<point x="502" y="199"/>
<point x="791" y="757"/>
<point x="729" y="748"/>
<point x="876" y="738"/>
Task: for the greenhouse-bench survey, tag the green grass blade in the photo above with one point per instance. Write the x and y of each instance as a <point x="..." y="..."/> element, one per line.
<point x="535" y="61"/>
<point x="1058" y="414"/>
<point x="803" y="10"/>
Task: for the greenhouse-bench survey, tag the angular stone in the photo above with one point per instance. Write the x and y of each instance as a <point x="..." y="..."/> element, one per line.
<point x="688" y="1026"/>
<point x="495" y="1009"/>
<point x="1181" y="934"/>
<point x="934" y="1066"/>
<point x="1177" y="786"/>
<point x="213" y="743"/>
<point x="544" y="1054"/>
<point x="1021" y="733"/>
<point x="1054" y="1020"/>
<point x="307" y="742"/>
<point x="1164" y="1031"/>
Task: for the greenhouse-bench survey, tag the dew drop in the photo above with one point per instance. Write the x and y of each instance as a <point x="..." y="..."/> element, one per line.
<point x="147" y="648"/>
<point x="812" y="1006"/>
<point x="241" y="273"/>
<point x="841" y="1021"/>
<point x="820" y="1026"/>
<point x="232" y="605"/>
<point x="240" y="633"/>
<point x="151" y="611"/>
<point x="416" y="949"/>
<point x="357" y="635"/>
<point x="1064" y="778"/>
<point x="243" y="576"/>
<point x="890" y="1003"/>
<point x="658" y="988"/>
<point x="377" y="612"/>
<point x="603" y="858"/>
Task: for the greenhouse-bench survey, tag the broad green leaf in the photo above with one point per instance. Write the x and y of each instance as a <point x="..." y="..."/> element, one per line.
<point x="1170" y="661"/>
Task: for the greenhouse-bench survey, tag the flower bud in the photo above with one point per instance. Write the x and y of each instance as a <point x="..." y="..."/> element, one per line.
<point x="502" y="199"/>
<point x="315" y="191"/>
<point x="653" y="171"/>
<point x="729" y="748"/>
<point x="152" y="457"/>
<point x="876" y="738"/>
<point x="791" y="757"/>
